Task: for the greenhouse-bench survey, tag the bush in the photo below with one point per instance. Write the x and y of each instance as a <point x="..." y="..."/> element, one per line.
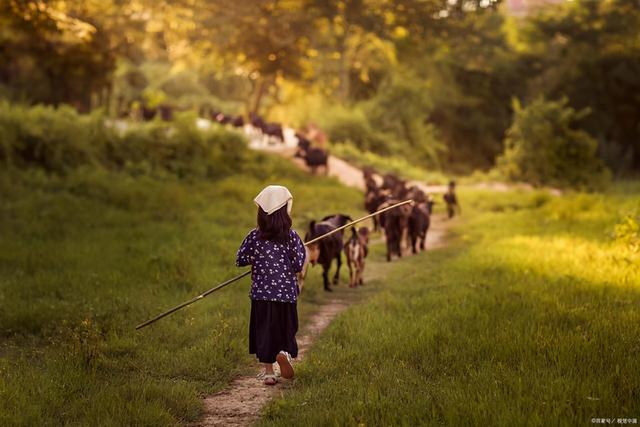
<point x="400" y="109"/>
<point x="393" y="122"/>
<point x="179" y="148"/>
<point x="55" y="140"/>
<point x="344" y="125"/>
<point x="543" y="147"/>
<point x="627" y="232"/>
<point x="60" y="140"/>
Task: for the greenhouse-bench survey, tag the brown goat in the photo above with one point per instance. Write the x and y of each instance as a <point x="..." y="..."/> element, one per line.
<point x="356" y="250"/>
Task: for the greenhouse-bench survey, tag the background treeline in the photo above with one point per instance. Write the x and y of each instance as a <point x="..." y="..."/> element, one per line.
<point x="436" y="82"/>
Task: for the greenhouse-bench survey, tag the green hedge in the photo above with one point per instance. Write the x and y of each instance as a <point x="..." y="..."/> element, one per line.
<point x="544" y="147"/>
<point x="60" y="140"/>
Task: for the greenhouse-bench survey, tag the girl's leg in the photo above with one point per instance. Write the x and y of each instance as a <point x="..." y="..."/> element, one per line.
<point x="270" y="378"/>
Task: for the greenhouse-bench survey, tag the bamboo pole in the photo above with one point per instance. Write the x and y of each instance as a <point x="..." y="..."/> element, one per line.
<point x="240" y="276"/>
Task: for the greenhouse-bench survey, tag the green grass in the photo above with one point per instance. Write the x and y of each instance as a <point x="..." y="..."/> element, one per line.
<point x="86" y="257"/>
<point x="530" y="317"/>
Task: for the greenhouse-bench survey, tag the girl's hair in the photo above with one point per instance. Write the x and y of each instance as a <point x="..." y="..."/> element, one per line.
<point x="275" y="226"/>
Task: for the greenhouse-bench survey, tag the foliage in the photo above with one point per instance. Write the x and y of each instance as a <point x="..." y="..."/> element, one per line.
<point x="473" y="73"/>
<point x="55" y="52"/>
<point x="353" y="126"/>
<point x="588" y="52"/>
<point x="543" y="147"/>
<point x="434" y="79"/>
<point x="392" y="123"/>
<point x="505" y="327"/>
<point x="627" y="231"/>
<point x="53" y="139"/>
<point x="60" y="140"/>
<point x="401" y="108"/>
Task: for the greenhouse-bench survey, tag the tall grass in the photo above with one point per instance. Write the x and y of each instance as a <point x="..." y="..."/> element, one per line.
<point x="88" y="254"/>
<point x="60" y="141"/>
<point x="530" y="318"/>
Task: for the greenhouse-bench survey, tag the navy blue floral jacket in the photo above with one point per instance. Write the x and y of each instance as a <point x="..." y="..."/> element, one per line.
<point x="273" y="266"/>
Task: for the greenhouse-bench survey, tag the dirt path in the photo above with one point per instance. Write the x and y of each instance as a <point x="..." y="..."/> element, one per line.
<point x="347" y="174"/>
<point x="240" y="404"/>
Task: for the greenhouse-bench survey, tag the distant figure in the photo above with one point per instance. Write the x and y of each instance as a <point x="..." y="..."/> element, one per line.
<point x="148" y="114"/>
<point x="317" y="136"/>
<point x="451" y="200"/>
<point x="166" y="112"/>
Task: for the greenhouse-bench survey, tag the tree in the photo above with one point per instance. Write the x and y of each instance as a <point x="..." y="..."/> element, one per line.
<point x="543" y="147"/>
<point x="588" y="51"/>
<point x="473" y="75"/>
<point x="264" y="41"/>
<point x="65" y="51"/>
<point x="400" y="109"/>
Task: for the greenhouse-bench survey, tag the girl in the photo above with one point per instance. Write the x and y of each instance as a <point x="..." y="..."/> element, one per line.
<point x="276" y="253"/>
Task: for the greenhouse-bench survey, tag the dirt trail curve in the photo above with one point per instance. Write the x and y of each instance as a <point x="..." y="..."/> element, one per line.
<point x="240" y="403"/>
<point x="347" y="174"/>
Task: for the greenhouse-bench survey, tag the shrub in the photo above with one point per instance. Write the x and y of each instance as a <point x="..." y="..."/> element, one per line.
<point x="60" y="140"/>
<point x="400" y="109"/>
<point x="543" y="147"/>
<point x="345" y="125"/>
<point x="55" y="140"/>
<point x="627" y="232"/>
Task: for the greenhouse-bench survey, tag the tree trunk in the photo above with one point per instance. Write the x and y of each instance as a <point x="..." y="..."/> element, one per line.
<point x="343" y="76"/>
<point x="262" y="87"/>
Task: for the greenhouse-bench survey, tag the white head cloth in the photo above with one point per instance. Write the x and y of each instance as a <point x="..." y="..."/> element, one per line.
<point x="273" y="197"/>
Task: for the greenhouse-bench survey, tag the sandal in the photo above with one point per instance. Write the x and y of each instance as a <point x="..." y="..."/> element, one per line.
<point x="284" y="361"/>
<point x="270" y="379"/>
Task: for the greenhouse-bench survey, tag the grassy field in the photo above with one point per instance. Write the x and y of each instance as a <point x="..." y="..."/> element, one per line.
<point x="85" y="258"/>
<point x="530" y="317"/>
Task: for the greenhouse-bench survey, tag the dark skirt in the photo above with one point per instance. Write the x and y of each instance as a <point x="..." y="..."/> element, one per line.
<point x="272" y="328"/>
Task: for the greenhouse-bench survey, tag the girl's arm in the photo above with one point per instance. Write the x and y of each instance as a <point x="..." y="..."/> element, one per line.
<point x="297" y="254"/>
<point x="245" y="253"/>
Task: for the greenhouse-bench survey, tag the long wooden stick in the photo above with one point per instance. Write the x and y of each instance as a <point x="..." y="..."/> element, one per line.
<point x="352" y="223"/>
<point x="191" y="301"/>
<point x="240" y="276"/>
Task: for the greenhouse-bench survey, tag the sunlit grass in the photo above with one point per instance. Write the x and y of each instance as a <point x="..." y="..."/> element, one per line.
<point x="576" y="257"/>
<point x="530" y="318"/>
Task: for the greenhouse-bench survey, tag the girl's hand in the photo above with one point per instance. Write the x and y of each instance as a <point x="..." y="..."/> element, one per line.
<point x="300" y="282"/>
